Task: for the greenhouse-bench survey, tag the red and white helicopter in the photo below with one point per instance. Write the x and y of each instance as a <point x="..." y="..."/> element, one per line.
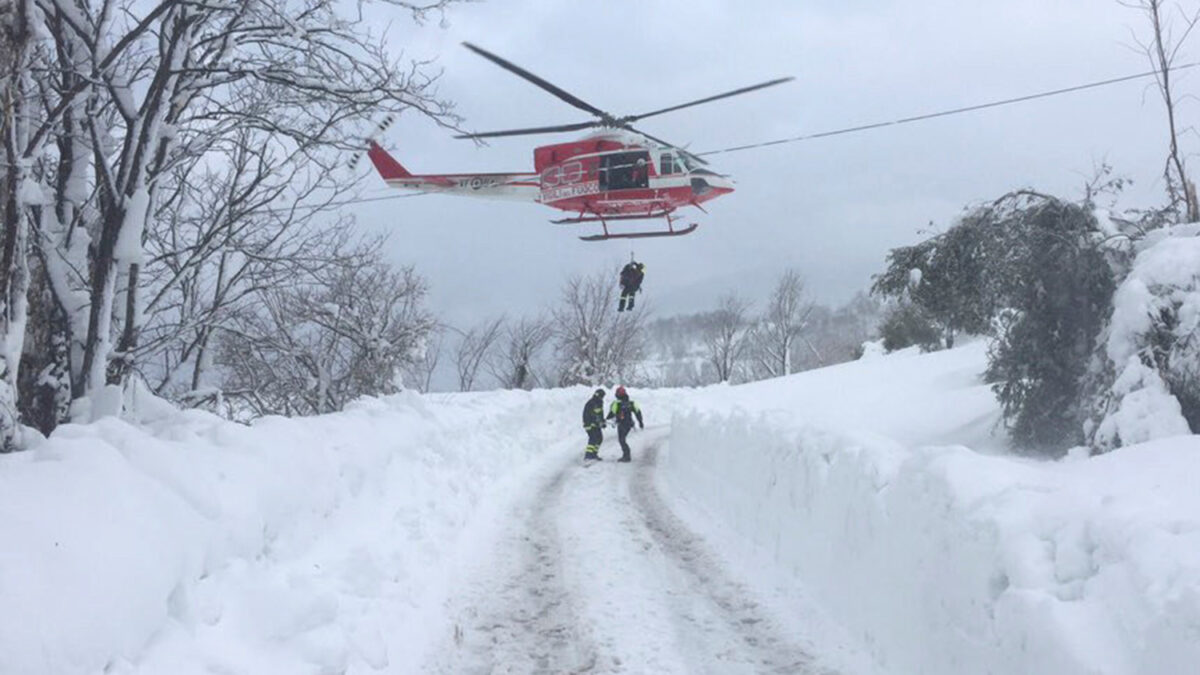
<point x="616" y="173"/>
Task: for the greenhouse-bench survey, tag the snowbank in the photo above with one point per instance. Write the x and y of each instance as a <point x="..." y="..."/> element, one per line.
<point x="940" y="559"/>
<point x="195" y="545"/>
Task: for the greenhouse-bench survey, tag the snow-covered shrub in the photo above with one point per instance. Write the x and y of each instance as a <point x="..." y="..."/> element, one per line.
<point x="907" y="324"/>
<point x="1145" y="380"/>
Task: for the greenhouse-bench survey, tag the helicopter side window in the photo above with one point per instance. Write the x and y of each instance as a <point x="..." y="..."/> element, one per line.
<point x="625" y="171"/>
<point x="667" y="162"/>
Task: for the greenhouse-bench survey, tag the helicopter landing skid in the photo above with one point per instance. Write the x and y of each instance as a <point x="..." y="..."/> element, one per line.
<point x="671" y="231"/>
<point x="642" y="235"/>
<point x="603" y="219"/>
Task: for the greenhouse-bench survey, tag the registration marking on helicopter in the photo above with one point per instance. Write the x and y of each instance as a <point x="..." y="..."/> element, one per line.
<point x="568" y="191"/>
<point x="478" y="182"/>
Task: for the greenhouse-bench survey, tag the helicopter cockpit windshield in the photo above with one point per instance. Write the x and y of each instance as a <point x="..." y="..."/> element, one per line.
<point x="675" y="163"/>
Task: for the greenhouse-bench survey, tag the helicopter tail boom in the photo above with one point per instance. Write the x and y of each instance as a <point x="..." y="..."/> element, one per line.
<point x="385" y="164"/>
<point x="508" y="186"/>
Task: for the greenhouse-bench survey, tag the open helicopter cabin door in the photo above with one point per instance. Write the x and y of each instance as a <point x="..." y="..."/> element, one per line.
<point x="625" y="171"/>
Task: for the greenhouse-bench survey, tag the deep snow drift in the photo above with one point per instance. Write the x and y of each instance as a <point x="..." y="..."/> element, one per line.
<point x="942" y="559"/>
<point x="339" y="543"/>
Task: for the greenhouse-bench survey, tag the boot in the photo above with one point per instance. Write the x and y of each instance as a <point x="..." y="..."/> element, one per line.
<point x="630" y="305"/>
<point x="621" y="305"/>
<point x="625" y="458"/>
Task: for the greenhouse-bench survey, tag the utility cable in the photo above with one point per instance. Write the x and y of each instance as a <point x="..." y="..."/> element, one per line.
<point x="944" y="113"/>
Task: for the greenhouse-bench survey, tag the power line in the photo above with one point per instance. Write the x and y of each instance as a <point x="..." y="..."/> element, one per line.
<point x="944" y="113"/>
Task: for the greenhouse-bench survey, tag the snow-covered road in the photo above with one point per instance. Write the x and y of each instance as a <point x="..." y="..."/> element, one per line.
<point x="812" y="524"/>
<point x="595" y="573"/>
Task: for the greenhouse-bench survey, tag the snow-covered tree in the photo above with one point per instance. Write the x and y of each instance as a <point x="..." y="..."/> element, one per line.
<point x="325" y="339"/>
<point x="1031" y="271"/>
<point x="253" y="216"/>
<point x="133" y="106"/>
<point x="18" y="192"/>
<point x="419" y="374"/>
<point x="952" y="280"/>
<point x="208" y="67"/>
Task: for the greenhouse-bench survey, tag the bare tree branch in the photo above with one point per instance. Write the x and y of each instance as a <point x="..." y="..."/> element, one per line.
<point x="726" y="336"/>
<point x="474" y="348"/>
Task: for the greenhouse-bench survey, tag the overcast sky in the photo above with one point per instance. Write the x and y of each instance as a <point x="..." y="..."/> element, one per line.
<point x="830" y="208"/>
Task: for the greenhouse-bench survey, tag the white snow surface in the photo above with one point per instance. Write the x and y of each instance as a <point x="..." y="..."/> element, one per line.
<point x="857" y="519"/>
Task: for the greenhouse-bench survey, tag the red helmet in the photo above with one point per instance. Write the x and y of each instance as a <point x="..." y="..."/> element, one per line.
<point x="620" y="391"/>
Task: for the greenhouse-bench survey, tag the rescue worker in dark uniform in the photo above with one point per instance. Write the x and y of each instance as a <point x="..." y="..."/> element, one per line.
<point x="631" y="282"/>
<point x="639" y="178"/>
<point x="593" y="422"/>
<point x="623" y="411"/>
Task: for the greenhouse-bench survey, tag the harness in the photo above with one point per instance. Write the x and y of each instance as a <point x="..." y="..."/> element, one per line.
<point x="623" y="411"/>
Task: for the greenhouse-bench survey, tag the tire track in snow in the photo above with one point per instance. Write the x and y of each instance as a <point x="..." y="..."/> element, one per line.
<point x="763" y="646"/>
<point x="527" y="622"/>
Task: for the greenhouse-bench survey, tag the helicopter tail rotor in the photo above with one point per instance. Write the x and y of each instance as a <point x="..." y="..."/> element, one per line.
<point x="372" y="139"/>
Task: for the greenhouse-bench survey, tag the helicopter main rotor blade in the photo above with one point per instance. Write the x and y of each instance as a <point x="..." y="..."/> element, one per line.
<point x="521" y="72"/>
<point x="735" y="92"/>
<point x="533" y="130"/>
<point x="699" y="160"/>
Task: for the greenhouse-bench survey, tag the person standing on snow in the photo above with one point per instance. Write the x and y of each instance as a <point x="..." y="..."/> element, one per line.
<point x="624" y="410"/>
<point x="593" y="422"/>
<point x="631" y="282"/>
